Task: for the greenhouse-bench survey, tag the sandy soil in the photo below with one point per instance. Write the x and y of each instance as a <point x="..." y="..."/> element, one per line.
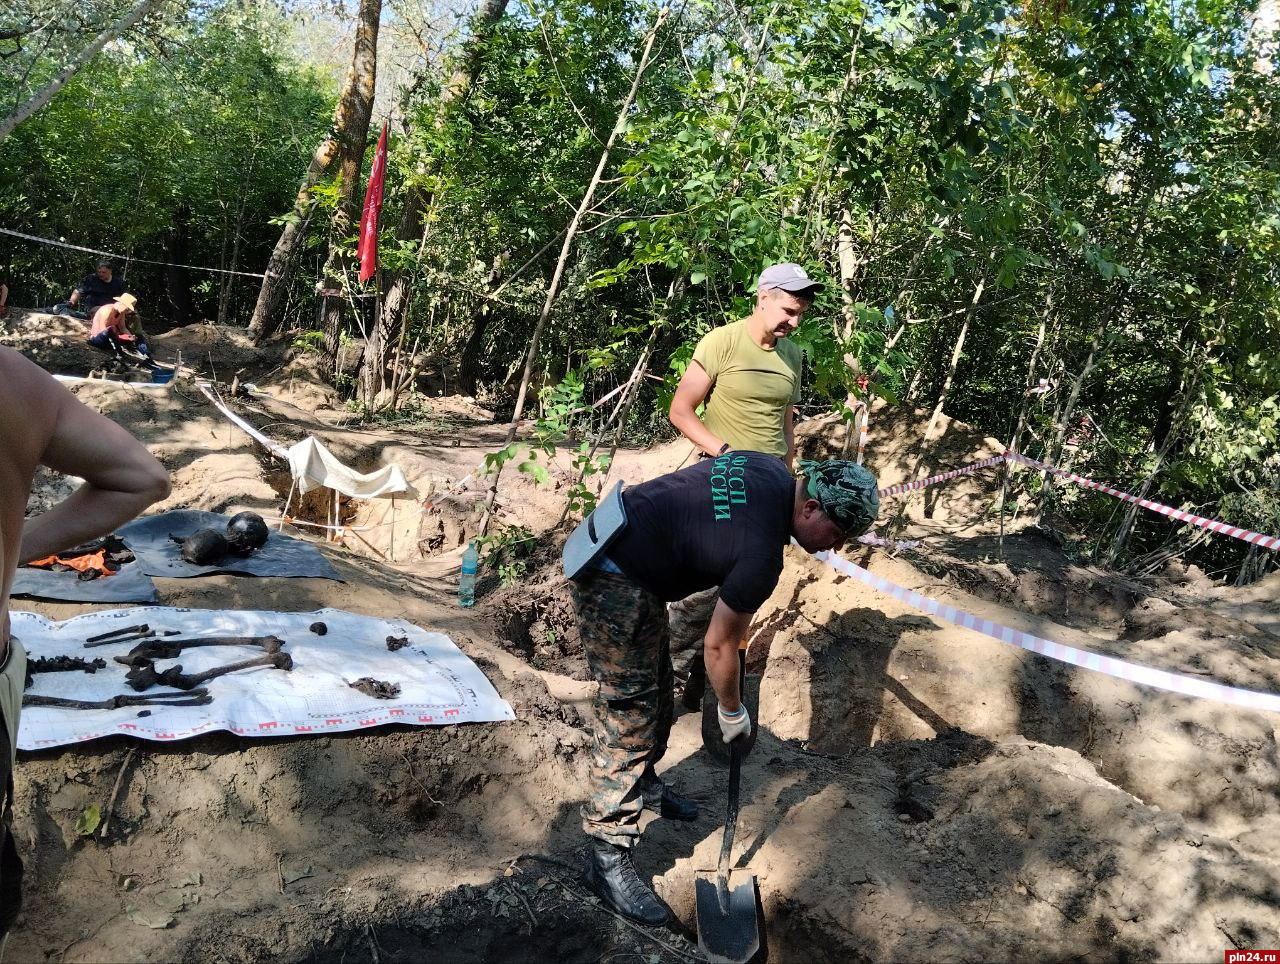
<point x="918" y="792"/>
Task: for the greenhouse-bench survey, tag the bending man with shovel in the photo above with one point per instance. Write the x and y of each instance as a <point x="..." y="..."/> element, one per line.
<point x="723" y="522"/>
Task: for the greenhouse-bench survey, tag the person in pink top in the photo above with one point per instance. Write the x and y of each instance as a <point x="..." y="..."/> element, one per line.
<point x="115" y="328"/>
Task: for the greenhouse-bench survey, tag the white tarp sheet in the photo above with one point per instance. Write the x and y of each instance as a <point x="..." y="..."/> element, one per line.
<point x="313" y="465"/>
<point x="439" y="684"/>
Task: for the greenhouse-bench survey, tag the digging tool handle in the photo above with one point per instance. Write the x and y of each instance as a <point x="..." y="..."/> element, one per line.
<point x="730" y="825"/>
<point x="731" y="817"/>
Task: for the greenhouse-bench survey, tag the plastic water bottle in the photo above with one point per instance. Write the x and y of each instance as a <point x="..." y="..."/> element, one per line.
<point x="467" y="581"/>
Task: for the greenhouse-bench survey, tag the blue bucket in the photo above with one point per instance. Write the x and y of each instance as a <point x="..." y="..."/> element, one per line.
<point x="160" y="376"/>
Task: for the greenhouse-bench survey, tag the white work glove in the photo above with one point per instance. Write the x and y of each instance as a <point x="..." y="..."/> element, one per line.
<point x="734" y="725"/>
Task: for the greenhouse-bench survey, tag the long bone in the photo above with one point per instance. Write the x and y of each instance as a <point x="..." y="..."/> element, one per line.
<point x="195" y="697"/>
<point x="135" y="637"/>
<point x="145" y="676"/>
<point x="152" y="649"/>
<point x="123" y="631"/>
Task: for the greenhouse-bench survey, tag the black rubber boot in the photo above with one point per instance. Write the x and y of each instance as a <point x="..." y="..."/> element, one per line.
<point x="612" y="875"/>
<point x="661" y="799"/>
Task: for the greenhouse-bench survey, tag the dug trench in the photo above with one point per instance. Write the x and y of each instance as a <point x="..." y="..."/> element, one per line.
<point x="894" y="809"/>
<point x="918" y="791"/>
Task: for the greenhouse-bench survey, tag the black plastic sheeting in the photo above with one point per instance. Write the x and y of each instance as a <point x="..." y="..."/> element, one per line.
<point x="161" y="556"/>
<point x="129" y="584"/>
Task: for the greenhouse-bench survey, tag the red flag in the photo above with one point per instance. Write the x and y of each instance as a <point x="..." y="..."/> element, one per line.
<point x="367" y="249"/>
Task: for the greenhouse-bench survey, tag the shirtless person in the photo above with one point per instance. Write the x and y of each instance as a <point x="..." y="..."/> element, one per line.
<point x="115" y="328"/>
<point x="41" y="423"/>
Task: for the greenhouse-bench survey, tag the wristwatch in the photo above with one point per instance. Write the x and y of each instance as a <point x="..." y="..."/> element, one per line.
<point x="724" y="448"/>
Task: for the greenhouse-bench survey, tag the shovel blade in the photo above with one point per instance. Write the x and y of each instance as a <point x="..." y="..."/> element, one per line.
<point x="731" y="938"/>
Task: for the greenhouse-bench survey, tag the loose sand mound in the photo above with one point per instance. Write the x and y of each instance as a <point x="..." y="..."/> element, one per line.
<point x="919" y="792"/>
<point x="896" y="453"/>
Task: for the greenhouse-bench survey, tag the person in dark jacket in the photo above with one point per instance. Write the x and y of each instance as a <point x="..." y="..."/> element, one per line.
<point x="723" y="522"/>
<point x="102" y="287"/>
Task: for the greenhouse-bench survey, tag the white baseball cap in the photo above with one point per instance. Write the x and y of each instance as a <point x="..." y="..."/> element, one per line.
<point x="789" y="277"/>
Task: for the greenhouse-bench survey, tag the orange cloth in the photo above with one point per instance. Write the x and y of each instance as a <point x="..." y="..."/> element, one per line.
<point x="94" y="560"/>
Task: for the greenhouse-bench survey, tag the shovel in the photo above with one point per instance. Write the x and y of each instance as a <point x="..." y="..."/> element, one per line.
<point x="727" y="926"/>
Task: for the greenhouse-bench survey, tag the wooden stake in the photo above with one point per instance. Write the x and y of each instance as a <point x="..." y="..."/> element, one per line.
<point x="115" y="792"/>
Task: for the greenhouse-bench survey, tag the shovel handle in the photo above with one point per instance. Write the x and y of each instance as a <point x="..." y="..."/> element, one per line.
<point x="730" y="824"/>
<point x="731" y="817"/>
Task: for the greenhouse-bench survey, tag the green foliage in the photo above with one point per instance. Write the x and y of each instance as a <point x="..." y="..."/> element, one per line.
<point x="312" y="341"/>
<point x="89" y="820"/>
<point x="560" y="404"/>
<point x="581" y="500"/>
<point x="1106" y="172"/>
<point x="979" y="165"/>
<point x="508" y="552"/>
<point x="179" y="145"/>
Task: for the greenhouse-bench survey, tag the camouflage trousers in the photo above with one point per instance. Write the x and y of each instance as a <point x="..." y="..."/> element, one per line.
<point x="690" y="618"/>
<point x="624" y="633"/>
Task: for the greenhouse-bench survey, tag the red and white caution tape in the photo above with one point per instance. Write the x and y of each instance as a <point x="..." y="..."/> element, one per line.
<point x="945" y="476"/>
<point x="1107" y="665"/>
<point x="1213" y="525"/>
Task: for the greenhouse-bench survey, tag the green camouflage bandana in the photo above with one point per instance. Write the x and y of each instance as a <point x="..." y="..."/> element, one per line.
<point x="848" y="493"/>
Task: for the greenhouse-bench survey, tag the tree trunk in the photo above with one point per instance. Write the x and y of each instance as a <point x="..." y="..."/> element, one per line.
<point x="47" y="92"/>
<point x="353" y="137"/>
<point x="852" y="265"/>
<point x="1255" y="565"/>
<point x="469" y="362"/>
<point x="956" y="351"/>
<point x="1186" y="393"/>
<point x="383" y="335"/>
<point x="553" y="290"/>
<point x="1025" y="406"/>
<point x="416" y="204"/>
<point x="1031" y="376"/>
<point x="1262" y="35"/>
<point x="1063" y="424"/>
<point x="177" y="282"/>
<point x="229" y="281"/>
<point x="284" y="257"/>
<point x="1130" y="517"/>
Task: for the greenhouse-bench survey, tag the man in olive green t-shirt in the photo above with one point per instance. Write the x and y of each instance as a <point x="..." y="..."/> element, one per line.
<point x="752" y="374"/>
<point x="750" y="371"/>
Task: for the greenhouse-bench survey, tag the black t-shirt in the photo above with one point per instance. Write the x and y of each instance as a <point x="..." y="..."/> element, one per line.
<point x="95" y="292"/>
<point x="722" y="522"/>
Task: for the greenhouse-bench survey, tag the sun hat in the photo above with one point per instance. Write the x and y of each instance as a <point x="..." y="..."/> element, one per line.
<point x="127" y="302"/>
